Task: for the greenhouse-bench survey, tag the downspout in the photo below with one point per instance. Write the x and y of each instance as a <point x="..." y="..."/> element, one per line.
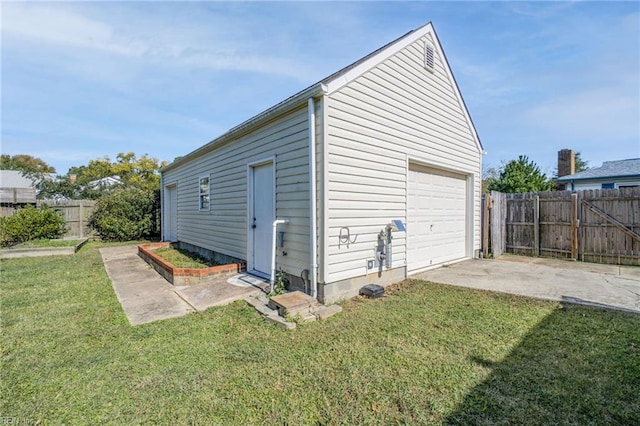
<point x="162" y="218"/>
<point x="312" y="196"/>
<point x="273" y="251"/>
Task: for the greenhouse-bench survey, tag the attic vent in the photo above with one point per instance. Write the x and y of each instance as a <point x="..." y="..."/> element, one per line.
<point x="429" y="57"/>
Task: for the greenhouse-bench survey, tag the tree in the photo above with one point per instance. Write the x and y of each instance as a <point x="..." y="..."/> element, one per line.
<point x="25" y="163"/>
<point x="581" y="165"/>
<point x="489" y="176"/>
<point x="142" y="173"/>
<point x="125" y="214"/>
<point x="64" y="187"/>
<point x="521" y="175"/>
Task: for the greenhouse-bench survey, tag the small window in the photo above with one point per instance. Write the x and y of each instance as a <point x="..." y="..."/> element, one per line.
<point x="204" y="189"/>
<point x="608" y="186"/>
<point x="429" y="56"/>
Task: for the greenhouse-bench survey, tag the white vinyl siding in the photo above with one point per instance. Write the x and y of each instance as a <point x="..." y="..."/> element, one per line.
<point x="395" y="112"/>
<point x="372" y="121"/>
<point x="224" y="227"/>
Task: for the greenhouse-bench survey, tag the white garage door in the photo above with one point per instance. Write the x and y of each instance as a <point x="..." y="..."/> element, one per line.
<point x="436" y="217"/>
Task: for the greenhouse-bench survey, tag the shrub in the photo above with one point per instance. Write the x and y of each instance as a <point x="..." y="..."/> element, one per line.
<point x="280" y="284"/>
<point x="31" y="223"/>
<point x="124" y="214"/>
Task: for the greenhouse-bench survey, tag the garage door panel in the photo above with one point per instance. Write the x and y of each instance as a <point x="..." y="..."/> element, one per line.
<point x="436" y="217"/>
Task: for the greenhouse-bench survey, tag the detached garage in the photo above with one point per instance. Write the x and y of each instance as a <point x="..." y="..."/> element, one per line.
<point x="368" y="176"/>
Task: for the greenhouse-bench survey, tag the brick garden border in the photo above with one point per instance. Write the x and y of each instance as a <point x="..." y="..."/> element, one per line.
<point x="183" y="276"/>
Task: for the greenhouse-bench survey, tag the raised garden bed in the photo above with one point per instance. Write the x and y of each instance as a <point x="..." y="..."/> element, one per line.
<point x="183" y="276"/>
<point x="38" y="248"/>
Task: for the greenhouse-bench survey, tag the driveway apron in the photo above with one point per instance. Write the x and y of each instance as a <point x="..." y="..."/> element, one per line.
<point x="609" y="286"/>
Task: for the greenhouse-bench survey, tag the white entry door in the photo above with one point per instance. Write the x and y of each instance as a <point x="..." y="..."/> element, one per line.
<point x="171" y="213"/>
<point x="261" y="218"/>
<point x="436" y="217"/>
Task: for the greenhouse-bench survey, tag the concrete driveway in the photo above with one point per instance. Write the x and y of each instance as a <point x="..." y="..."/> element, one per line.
<point x="610" y="286"/>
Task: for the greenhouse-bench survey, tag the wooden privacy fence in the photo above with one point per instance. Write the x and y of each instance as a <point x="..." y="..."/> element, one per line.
<point x="75" y="212"/>
<point x="601" y="226"/>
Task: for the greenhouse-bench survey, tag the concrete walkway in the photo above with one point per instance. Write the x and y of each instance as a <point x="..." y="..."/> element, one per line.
<point x="146" y="296"/>
<point x="609" y="286"/>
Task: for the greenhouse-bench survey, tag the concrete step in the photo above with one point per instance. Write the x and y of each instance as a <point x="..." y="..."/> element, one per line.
<point x="323" y="312"/>
<point x="293" y="303"/>
<point x="261" y="306"/>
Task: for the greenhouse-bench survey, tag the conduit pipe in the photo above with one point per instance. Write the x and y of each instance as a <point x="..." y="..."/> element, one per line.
<point x="313" y="218"/>
<point x="273" y="251"/>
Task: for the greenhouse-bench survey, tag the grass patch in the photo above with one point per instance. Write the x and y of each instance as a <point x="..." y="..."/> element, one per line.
<point x="49" y="243"/>
<point x="181" y="258"/>
<point x="426" y="354"/>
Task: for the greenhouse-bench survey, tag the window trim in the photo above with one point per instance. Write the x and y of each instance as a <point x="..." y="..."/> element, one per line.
<point x="201" y="194"/>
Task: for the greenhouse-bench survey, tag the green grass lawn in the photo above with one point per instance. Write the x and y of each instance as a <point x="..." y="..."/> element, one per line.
<point x="183" y="258"/>
<point x="426" y="354"/>
<point x="49" y="243"/>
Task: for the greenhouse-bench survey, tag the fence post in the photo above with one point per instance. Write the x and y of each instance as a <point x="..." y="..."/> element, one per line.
<point x="81" y="219"/>
<point x="498" y="223"/>
<point x="536" y="225"/>
<point x="486" y="207"/>
<point x="574" y="226"/>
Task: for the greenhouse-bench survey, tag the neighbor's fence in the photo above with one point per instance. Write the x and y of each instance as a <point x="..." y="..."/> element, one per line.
<point x="13" y="198"/>
<point x="600" y="226"/>
<point x="17" y="195"/>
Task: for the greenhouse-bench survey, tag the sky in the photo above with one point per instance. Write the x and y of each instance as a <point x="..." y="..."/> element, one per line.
<point x="85" y="80"/>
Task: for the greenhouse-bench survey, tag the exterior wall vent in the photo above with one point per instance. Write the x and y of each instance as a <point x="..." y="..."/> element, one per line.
<point x="429" y="56"/>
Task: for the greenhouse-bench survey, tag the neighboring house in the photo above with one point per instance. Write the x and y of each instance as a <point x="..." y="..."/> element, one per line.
<point x="612" y="174"/>
<point x="388" y="143"/>
<point x="105" y="183"/>
<point x="15" y="188"/>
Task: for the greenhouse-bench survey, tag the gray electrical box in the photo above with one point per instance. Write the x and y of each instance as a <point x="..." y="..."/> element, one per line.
<point x="372" y="264"/>
<point x="372" y="291"/>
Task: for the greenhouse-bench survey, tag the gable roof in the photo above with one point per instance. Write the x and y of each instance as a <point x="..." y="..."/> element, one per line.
<point x="609" y="170"/>
<point x="332" y="83"/>
<point x="15" y="179"/>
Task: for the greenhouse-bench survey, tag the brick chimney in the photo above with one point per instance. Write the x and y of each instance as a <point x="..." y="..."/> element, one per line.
<point x="566" y="162"/>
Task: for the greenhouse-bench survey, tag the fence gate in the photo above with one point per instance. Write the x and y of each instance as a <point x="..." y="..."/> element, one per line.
<point x="600" y="226"/>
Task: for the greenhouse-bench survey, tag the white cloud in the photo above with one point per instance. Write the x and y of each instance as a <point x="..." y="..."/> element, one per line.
<point x="152" y="43"/>
<point x="165" y="77"/>
<point x="44" y="24"/>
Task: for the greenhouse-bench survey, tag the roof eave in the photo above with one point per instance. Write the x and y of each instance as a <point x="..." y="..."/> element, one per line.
<point x="278" y="109"/>
<point x="570" y="179"/>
